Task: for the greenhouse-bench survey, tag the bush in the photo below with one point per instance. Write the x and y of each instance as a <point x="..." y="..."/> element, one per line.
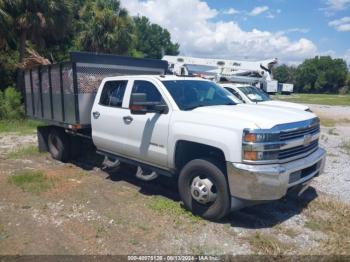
<point x="11" y="107"/>
<point x="344" y="90"/>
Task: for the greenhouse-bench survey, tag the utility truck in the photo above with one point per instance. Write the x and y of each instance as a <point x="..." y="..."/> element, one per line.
<point x="250" y="82"/>
<point x="259" y="72"/>
<point x="285" y="88"/>
<point x="224" y="155"/>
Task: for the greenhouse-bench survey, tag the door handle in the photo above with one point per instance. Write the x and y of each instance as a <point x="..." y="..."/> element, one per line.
<point x="128" y="119"/>
<point x="96" y="114"/>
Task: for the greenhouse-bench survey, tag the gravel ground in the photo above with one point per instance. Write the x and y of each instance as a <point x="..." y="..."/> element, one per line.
<point x="335" y="112"/>
<point x="336" y="178"/>
<point x="9" y="142"/>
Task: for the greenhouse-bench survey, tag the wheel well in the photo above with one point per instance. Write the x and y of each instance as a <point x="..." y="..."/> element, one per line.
<point x="187" y="151"/>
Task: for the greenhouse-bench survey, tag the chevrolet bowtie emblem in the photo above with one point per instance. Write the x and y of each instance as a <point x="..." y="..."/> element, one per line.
<point x="307" y="139"/>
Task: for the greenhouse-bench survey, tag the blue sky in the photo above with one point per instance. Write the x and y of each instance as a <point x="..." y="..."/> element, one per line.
<point x="288" y="30"/>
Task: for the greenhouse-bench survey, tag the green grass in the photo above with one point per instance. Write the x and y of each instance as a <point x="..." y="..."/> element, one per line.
<point x="346" y="146"/>
<point x="331" y="122"/>
<point x="327" y="122"/>
<point x="31" y="181"/>
<point x="22" y="127"/>
<point x="23" y="152"/>
<point x="3" y="234"/>
<point x="313" y="225"/>
<point x="331" y="217"/>
<point x="333" y="132"/>
<point x="322" y="99"/>
<point x="286" y="231"/>
<point x="268" y="244"/>
<point x="100" y="231"/>
<point x="166" y="206"/>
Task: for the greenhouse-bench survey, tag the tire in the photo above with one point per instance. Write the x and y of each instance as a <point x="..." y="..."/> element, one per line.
<point x="59" y="145"/>
<point x="211" y="170"/>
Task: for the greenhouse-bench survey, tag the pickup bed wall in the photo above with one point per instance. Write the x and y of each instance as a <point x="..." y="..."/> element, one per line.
<point x="64" y="93"/>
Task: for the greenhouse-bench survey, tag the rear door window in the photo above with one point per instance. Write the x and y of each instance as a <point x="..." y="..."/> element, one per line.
<point x="113" y="93"/>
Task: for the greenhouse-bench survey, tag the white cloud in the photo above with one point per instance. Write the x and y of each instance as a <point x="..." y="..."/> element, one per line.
<point x="342" y="24"/>
<point x="334" y="6"/>
<point x="298" y="30"/>
<point x="270" y="15"/>
<point x="337" y="5"/>
<point x="230" y="11"/>
<point x="258" y="10"/>
<point x="191" y="24"/>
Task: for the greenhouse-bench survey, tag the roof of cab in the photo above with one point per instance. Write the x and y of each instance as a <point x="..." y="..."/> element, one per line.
<point x="158" y="77"/>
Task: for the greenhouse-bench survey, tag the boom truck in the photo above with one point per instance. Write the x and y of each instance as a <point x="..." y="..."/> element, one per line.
<point x="224" y="155"/>
<point x="250" y="82"/>
<point x="257" y="73"/>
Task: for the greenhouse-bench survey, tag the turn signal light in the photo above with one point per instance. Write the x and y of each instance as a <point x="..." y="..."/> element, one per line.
<point x="249" y="137"/>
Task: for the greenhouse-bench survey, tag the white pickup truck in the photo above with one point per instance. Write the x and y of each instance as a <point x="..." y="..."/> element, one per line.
<point x="253" y="95"/>
<point x="224" y="155"/>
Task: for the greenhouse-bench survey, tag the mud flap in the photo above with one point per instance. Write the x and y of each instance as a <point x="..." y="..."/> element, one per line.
<point x="43" y="133"/>
<point x="75" y="146"/>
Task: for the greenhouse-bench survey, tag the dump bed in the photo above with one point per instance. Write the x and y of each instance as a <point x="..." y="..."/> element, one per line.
<point x="64" y="93"/>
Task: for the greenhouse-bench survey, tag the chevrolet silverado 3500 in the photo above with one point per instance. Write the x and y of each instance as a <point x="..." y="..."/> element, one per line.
<point x="224" y="155"/>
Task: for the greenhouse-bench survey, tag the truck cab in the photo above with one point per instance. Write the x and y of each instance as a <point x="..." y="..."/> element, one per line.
<point x="253" y="95"/>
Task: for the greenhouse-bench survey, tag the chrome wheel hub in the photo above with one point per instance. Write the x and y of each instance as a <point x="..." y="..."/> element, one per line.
<point x="202" y="190"/>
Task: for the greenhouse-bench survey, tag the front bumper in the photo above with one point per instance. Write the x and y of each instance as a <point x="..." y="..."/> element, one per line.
<point x="271" y="182"/>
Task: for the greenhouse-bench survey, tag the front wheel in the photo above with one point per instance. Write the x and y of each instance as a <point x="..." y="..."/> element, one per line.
<point x="203" y="189"/>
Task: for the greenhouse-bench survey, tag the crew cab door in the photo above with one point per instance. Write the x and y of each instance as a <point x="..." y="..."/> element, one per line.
<point x="148" y="133"/>
<point x="109" y="131"/>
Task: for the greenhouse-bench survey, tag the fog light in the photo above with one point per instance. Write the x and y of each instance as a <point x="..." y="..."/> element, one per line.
<point x="250" y="155"/>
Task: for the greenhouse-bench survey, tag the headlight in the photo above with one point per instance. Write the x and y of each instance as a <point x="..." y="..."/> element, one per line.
<point x="253" y="137"/>
<point x="260" y="145"/>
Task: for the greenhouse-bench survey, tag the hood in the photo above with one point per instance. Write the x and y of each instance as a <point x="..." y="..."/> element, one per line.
<point x="278" y="103"/>
<point x="264" y="117"/>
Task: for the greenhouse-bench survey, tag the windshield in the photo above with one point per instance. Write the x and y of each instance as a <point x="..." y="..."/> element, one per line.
<point x="190" y="94"/>
<point x="254" y="94"/>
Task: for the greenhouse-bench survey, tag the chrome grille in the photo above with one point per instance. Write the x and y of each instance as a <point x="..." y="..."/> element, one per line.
<point x="298" y="150"/>
<point x="284" y="143"/>
<point x="287" y="135"/>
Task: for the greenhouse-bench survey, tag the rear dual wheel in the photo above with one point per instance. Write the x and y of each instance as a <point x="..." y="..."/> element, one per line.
<point x="59" y="144"/>
<point x="203" y="189"/>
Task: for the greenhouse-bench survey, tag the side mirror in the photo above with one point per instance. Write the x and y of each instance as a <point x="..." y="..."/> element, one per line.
<point x="138" y="103"/>
<point x="140" y="106"/>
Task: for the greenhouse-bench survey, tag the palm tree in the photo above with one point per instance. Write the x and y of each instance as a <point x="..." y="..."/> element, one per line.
<point x="108" y="28"/>
<point x="5" y="22"/>
<point x="33" y="20"/>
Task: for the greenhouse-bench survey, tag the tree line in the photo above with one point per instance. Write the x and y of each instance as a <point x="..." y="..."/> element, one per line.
<point x="52" y="28"/>
<point x="321" y="74"/>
